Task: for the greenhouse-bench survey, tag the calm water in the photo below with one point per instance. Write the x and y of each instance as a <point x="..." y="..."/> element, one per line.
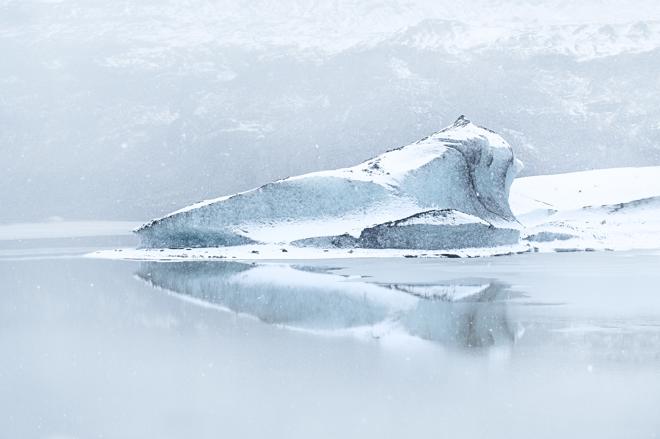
<point x="542" y="345"/>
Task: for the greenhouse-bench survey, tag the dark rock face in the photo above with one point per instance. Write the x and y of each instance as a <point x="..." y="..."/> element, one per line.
<point x="437" y="237"/>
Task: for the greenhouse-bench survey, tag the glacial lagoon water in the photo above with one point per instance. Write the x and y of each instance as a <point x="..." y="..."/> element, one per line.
<point x="535" y="345"/>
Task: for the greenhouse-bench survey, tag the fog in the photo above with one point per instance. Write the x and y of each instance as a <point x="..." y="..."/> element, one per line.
<point x="130" y="109"/>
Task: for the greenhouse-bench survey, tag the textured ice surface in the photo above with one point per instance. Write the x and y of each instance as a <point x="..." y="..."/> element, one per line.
<point x="462" y="167"/>
<point x="435" y="230"/>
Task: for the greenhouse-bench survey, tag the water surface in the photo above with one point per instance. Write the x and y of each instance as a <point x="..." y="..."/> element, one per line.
<point x="536" y="345"/>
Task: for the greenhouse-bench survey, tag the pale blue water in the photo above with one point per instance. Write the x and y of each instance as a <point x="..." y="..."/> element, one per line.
<point x="559" y="345"/>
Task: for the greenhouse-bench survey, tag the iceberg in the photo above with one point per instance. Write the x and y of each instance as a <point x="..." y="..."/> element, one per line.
<point x="448" y="190"/>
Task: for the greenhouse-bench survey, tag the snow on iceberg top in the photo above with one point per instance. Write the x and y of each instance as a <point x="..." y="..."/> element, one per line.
<point x="389" y="167"/>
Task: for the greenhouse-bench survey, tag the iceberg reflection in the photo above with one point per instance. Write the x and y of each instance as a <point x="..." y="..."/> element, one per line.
<point x="464" y="313"/>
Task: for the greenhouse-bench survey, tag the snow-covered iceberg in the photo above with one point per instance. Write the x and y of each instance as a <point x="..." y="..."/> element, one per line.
<point x="448" y="190"/>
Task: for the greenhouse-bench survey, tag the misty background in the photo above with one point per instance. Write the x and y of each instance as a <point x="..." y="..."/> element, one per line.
<point x="130" y="109"/>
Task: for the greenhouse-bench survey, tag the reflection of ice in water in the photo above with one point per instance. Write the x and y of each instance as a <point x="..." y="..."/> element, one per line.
<point x="470" y="313"/>
<point x="477" y="320"/>
<point x="89" y="351"/>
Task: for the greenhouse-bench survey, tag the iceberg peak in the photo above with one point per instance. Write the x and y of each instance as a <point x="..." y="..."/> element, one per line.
<point x="461" y="121"/>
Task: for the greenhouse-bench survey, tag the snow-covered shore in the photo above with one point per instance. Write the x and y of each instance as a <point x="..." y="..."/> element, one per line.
<point x="617" y="209"/>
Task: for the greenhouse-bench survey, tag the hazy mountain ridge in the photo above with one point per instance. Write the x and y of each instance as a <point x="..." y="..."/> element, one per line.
<point x="330" y="27"/>
<point x="582" y="41"/>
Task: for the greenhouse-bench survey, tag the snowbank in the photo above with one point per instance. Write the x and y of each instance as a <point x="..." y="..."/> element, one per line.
<point x="605" y="209"/>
